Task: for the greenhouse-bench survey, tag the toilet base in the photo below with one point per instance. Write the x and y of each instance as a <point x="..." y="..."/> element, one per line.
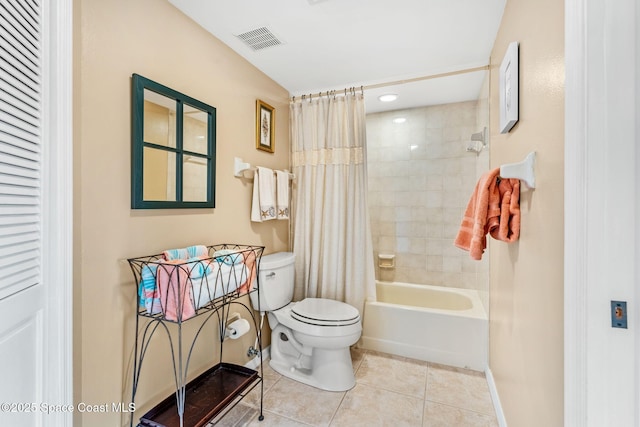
<point x="330" y="370"/>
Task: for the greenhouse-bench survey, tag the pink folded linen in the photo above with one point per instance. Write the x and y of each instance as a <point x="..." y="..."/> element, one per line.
<point x="174" y="290"/>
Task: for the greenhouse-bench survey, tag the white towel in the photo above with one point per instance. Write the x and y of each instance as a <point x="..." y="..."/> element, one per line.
<point x="263" y="206"/>
<point x="282" y="194"/>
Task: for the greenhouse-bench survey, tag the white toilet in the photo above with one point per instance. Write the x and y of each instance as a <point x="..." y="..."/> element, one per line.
<point x="310" y="339"/>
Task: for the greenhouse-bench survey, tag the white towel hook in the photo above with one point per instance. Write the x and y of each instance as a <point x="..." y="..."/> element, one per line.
<point x="522" y="170"/>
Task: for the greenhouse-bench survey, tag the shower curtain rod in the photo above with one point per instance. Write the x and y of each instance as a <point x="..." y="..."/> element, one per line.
<point x="393" y="83"/>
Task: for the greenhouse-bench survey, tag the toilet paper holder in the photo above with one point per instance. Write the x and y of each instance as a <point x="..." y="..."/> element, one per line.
<point x="232" y="317"/>
<point x="235" y="326"/>
<point x="229" y="320"/>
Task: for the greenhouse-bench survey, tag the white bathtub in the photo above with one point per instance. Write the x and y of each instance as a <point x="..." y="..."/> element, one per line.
<point x="431" y="323"/>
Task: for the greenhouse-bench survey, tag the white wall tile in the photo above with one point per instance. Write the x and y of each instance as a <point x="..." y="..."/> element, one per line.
<point x="420" y="179"/>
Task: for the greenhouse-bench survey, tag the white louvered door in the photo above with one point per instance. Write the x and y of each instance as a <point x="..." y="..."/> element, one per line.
<point x="21" y="287"/>
<point x="20" y="148"/>
<point x="29" y="320"/>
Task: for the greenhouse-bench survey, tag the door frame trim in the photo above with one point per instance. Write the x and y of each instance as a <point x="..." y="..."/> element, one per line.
<point x="57" y="206"/>
<point x="595" y="135"/>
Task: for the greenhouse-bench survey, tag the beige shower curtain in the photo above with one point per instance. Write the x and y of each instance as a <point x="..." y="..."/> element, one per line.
<point x="331" y="231"/>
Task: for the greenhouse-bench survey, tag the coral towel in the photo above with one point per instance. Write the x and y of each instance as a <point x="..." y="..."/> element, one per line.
<point x="494" y="208"/>
<point x="507" y="227"/>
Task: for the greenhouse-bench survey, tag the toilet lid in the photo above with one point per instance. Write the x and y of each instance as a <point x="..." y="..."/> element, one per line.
<point x="325" y="312"/>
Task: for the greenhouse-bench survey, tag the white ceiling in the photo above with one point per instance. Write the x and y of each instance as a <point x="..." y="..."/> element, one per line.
<point x="337" y="44"/>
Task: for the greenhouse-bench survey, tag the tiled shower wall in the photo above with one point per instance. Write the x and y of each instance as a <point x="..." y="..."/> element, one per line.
<point x="420" y="181"/>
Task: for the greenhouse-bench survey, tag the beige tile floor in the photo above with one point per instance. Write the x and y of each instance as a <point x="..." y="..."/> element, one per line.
<point x="389" y="391"/>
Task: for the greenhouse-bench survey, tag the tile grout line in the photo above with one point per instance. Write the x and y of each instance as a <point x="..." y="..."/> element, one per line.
<point x="333" y="416"/>
<point x="402" y="359"/>
<point x="460" y="408"/>
<point x="424" y="402"/>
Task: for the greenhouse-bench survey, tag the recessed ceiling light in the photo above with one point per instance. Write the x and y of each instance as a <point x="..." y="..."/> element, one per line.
<point x="399" y="120"/>
<point x="388" y="97"/>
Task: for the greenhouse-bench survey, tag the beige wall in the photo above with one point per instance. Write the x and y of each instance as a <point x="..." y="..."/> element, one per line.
<point x="113" y="40"/>
<point x="526" y="318"/>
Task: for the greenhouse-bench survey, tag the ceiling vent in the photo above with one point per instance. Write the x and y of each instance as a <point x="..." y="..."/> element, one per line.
<point x="258" y="39"/>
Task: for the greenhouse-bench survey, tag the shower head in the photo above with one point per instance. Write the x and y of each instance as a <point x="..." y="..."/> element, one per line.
<point x="480" y="136"/>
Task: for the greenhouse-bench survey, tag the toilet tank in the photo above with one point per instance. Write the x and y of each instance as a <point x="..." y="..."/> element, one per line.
<point x="275" y="281"/>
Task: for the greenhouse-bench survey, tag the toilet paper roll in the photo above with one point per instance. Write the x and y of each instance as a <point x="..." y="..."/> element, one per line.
<point x="238" y="328"/>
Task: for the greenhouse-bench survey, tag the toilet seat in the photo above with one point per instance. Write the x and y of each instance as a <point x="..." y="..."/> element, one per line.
<point x="325" y="312"/>
<point x="309" y="320"/>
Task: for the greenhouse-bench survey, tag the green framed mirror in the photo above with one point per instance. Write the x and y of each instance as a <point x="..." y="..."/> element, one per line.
<point x="173" y="145"/>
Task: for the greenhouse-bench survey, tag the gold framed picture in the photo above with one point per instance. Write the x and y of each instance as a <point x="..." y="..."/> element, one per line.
<point x="265" y="127"/>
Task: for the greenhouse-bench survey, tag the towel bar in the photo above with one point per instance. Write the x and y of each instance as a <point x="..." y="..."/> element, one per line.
<point x="522" y="170"/>
<point x="239" y="167"/>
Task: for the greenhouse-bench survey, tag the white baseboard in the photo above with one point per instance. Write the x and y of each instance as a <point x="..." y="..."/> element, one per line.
<point x="255" y="362"/>
<point x="497" y="406"/>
